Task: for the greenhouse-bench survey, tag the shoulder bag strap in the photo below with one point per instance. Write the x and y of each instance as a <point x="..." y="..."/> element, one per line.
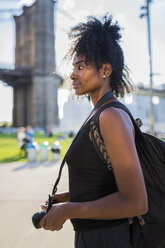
<point x="96" y="136"/>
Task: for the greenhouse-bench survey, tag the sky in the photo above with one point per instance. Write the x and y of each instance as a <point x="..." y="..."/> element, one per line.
<point x="70" y="12"/>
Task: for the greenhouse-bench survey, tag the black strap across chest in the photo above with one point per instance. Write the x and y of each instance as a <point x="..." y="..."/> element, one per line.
<point x="109" y="95"/>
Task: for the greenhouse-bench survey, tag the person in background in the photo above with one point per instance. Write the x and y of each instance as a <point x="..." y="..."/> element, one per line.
<point x="21" y="136"/>
<point x="100" y="201"/>
<point x="29" y="135"/>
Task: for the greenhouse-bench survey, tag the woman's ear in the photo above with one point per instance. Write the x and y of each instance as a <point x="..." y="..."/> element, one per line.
<point x="106" y="70"/>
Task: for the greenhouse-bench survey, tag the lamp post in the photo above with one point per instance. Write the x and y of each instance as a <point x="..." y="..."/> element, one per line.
<point x="146" y="14"/>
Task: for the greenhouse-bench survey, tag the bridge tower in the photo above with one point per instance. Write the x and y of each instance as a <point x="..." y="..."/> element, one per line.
<point x="34" y="86"/>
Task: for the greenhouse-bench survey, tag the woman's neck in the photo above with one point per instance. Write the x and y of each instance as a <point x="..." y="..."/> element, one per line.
<point x="96" y="96"/>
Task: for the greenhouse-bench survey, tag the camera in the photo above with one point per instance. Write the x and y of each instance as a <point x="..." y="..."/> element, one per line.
<point x="37" y="217"/>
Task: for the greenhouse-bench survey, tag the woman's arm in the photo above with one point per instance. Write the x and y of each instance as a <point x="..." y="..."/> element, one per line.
<point x="131" y="198"/>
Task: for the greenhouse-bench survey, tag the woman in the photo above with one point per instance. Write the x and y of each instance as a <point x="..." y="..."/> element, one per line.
<point x="100" y="202"/>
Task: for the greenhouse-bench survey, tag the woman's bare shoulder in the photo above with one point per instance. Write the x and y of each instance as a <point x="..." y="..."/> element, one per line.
<point x="115" y="118"/>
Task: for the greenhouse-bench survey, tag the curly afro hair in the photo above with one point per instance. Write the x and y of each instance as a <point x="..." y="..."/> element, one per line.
<point x="99" y="41"/>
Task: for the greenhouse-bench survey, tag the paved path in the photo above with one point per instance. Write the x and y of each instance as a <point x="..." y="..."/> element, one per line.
<point x="23" y="188"/>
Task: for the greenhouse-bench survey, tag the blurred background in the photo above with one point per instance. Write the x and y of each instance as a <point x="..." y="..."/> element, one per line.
<point x="39" y="114"/>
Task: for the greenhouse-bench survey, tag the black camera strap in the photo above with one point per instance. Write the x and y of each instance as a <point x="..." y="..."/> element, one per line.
<point x="109" y="95"/>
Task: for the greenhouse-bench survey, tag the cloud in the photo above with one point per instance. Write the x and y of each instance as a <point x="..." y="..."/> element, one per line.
<point x="68" y="4"/>
<point x="26" y="2"/>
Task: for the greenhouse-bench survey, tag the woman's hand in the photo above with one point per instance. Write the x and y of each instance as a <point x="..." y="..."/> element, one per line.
<point x="55" y="218"/>
<point x="61" y="197"/>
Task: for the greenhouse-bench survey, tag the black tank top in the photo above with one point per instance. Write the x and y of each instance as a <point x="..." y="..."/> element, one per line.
<point x="89" y="178"/>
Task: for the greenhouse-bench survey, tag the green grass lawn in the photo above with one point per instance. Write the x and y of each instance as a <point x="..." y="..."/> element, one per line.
<point x="10" y="152"/>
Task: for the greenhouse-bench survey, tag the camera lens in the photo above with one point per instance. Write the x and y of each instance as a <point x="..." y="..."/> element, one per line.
<point x="37" y="217"/>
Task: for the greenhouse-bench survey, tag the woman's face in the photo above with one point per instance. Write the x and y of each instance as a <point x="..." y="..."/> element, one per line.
<point x="86" y="79"/>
